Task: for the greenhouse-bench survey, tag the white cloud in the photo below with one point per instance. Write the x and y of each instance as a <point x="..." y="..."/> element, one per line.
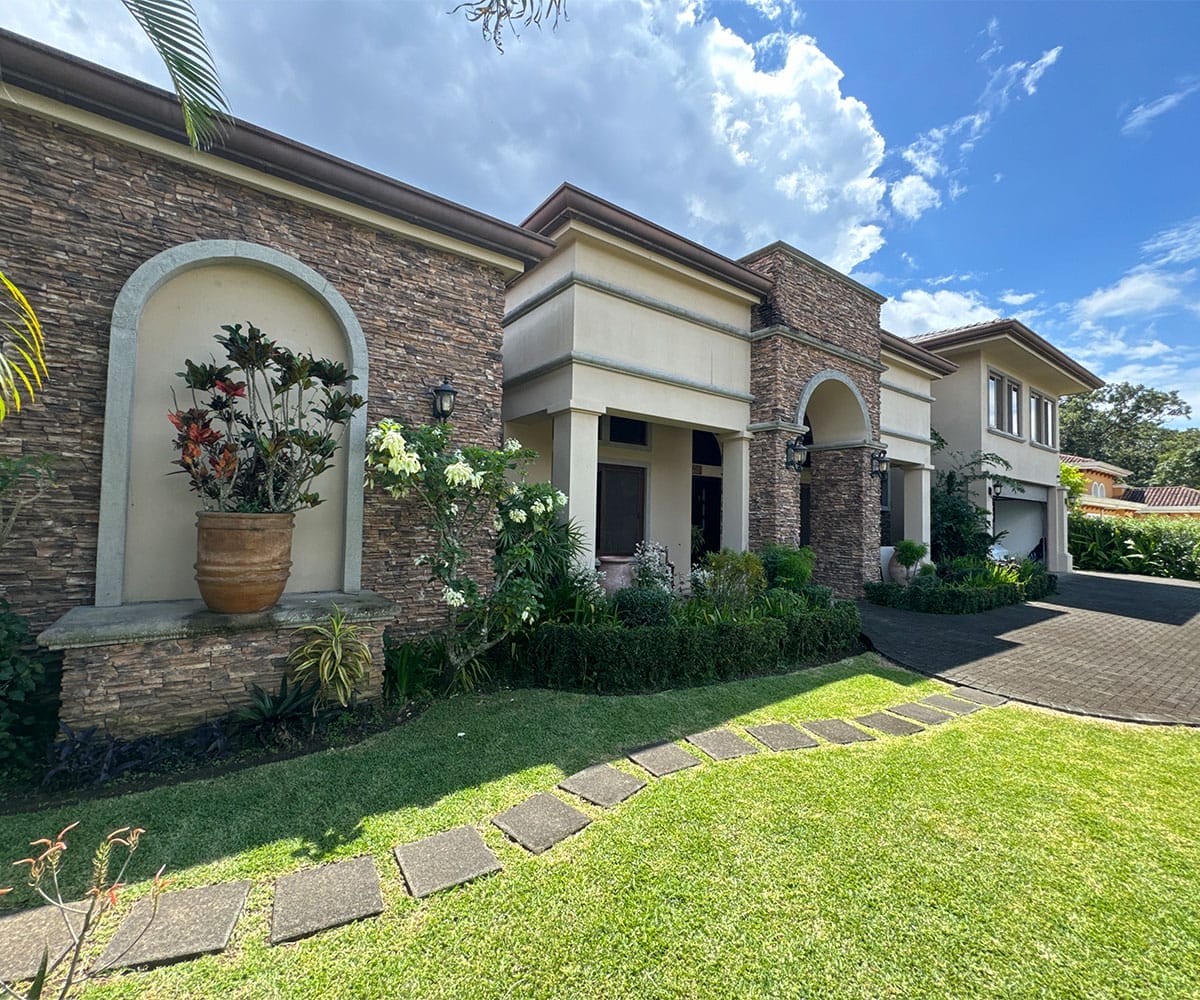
<point x="1177" y="245"/>
<point x="1034" y="73"/>
<point x="946" y="279"/>
<point x="917" y="311"/>
<point x="913" y="196"/>
<point x="1011" y="298"/>
<point x="1139" y="118"/>
<point x="1141" y="291"/>
<point x="656" y="106"/>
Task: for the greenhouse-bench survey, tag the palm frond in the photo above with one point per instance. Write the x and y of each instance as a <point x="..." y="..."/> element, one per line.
<point x="174" y="30"/>
<point x="21" y="344"/>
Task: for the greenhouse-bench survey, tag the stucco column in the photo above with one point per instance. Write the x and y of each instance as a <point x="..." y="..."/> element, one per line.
<point x="735" y="491"/>
<point x="1058" y="559"/>
<point x="573" y="470"/>
<point x="916" y="503"/>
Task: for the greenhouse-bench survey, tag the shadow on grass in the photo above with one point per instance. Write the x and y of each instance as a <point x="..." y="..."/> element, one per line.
<point x="431" y="773"/>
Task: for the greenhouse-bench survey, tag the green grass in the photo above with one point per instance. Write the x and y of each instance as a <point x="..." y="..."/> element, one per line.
<point x="1013" y="853"/>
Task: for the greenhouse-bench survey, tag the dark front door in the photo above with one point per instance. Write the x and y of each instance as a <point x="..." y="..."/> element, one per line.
<point x="706" y="515"/>
<point x="620" y="509"/>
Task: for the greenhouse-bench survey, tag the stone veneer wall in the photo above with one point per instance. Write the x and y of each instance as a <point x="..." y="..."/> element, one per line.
<point x="845" y="502"/>
<point x="174" y="684"/>
<point x="81" y="212"/>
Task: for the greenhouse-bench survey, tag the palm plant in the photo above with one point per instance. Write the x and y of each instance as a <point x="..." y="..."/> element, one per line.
<point x="21" y="343"/>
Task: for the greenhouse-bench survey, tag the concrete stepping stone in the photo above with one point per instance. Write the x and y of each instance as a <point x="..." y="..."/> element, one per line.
<point x="25" y="936"/>
<point x="602" y="785"/>
<point x="954" y="706"/>
<point x="782" y="736"/>
<point x="889" y="724"/>
<point x="189" y="923"/>
<point x="920" y="713"/>
<point x="722" y="744"/>
<point x="979" y="697"/>
<point x="541" y="821"/>
<point x="445" y="860"/>
<point x="324" y="897"/>
<point x="663" y="758"/>
<point x="837" y="731"/>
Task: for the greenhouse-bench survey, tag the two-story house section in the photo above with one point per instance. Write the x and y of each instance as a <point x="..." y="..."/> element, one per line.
<point x="1004" y="399"/>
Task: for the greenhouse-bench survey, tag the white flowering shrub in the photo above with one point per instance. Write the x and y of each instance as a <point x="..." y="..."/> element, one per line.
<point x="651" y="567"/>
<point x="467" y="490"/>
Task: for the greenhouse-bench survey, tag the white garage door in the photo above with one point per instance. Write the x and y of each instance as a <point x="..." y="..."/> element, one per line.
<point x="1024" y="522"/>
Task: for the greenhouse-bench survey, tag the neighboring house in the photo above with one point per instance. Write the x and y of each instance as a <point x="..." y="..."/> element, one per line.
<point x="663" y="382"/>
<point x="1107" y="493"/>
<point x="1004" y="399"/>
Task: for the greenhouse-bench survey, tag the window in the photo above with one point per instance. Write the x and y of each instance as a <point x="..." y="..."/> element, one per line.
<point x="624" y="430"/>
<point x="1004" y="403"/>
<point x="620" y="509"/>
<point x="1041" y="418"/>
<point x="1097" y="489"/>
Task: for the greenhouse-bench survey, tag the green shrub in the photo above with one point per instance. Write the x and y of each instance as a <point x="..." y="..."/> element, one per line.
<point x="944" y="598"/>
<point x="21" y="671"/>
<point x="786" y="566"/>
<point x="1151" y="546"/>
<point x="411" y="670"/>
<point x="638" y="606"/>
<point x="610" y="660"/>
<point x="336" y="658"/>
<point x="817" y="596"/>
<point x="730" y="580"/>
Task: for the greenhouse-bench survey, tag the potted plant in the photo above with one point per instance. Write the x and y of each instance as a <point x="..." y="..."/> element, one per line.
<point x="260" y="430"/>
<point x="905" y="560"/>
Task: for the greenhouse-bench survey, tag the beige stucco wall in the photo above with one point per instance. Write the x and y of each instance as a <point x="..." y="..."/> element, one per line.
<point x="180" y="321"/>
<point x="903" y="417"/>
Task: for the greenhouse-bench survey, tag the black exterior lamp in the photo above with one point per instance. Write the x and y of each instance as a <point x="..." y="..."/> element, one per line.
<point x="796" y="454"/>
<point x="995" y="489"/>
<point x="880" y="464"/>
<point x="443" y="399"/>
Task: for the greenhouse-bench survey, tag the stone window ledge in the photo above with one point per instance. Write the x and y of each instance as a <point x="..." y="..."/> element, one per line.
<point x="151" y="621"/>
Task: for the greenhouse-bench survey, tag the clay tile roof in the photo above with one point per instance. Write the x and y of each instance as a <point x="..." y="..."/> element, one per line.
<point x="1163" y="496"/>
<point x="1095" y="465"/>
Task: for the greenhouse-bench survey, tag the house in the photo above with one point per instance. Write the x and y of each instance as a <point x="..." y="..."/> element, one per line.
<point x="1107" y="493"/>
<point x="1003" y="399"/>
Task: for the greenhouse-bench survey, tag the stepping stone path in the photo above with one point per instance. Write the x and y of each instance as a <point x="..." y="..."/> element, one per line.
<point x="324" y="897"/>
<point x="722" y="744"/>
<point x="889" y="724"/>
<point x="189" y="923"/>
<point x="921" y="713"/>
<point x="837" y="731"/>
<point x="193" y="922"/>
<point x="664" y="758"/>
<point x="541" y="821"/>
<point x="444" y="860"/>
<point x="602" y="785"/>
<point x="782" y="736"/>
<point x="25" y="936"/>
<point x="955" y="706"/>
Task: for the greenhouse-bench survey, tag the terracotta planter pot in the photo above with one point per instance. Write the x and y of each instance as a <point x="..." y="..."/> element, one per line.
<point x="242" y="560"/>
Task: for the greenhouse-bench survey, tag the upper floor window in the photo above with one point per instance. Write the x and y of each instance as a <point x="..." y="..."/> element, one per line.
<point x="1041" y="418"/>
<point x="1097" y="489"/>
<point x="1004" y="403"/>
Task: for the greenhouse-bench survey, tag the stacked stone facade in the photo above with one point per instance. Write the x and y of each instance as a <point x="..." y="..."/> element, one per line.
<point x="81" y="212"/>
<point x="814" y="321"/>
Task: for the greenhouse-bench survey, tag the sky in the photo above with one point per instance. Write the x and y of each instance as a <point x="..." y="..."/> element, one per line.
<point x="967" y="160"/>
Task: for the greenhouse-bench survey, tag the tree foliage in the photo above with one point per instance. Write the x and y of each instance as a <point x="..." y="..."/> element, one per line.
<point x="1179" y="465"/>
<point x="495" y="16"/>
<point x="1122" y="424"/>
<point x="1073" y="481"/>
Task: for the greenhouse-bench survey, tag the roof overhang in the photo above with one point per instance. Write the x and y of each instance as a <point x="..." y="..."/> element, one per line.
<point x="913" y="356"/>
<point x="1094" y="465"/>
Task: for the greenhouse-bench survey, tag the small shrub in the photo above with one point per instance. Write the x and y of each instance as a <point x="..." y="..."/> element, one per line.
<point x="637" y="606"/>
<point x="21" y="671"/>
<point x="336" y="659"/>
<point x="411" y="670"/>
<point x="651" y="568"/>
<point x="732" y="580"/>
<point x="908" y="554"/>
<point x="273" y="715"/>
<point x="786" y="566"/>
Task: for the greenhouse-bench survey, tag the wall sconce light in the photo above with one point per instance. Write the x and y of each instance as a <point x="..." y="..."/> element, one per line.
<point x="995" y="489"/>
<point x="443" y="399"/>
<point x="880" y="464"/>
<point x="796" y="454"/>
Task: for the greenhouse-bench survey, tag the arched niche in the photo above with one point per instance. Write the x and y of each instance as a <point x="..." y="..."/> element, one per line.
<point x="170" y="309"/>
<point x="836" y="409"/>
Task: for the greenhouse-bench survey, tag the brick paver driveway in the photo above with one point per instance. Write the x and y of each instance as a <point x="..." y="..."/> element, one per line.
<point x="1123" y="647"/>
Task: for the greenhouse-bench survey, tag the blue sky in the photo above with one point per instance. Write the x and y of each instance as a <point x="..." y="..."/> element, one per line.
<point x="967" y="160"/>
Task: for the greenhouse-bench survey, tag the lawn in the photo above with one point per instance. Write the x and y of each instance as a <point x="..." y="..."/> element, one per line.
<point x="1013" y="853"/>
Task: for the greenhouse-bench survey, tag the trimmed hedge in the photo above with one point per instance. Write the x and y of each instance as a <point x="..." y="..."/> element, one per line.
<point x="608" y="659"/>
<point x="21" y="671"/>
<point x="1151" y="546"/>
<point x="944" y="598"/>
<point x="636" y="606"/>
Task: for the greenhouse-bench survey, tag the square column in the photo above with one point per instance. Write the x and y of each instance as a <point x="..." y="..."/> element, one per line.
<point x="1058" y="559"/>
<point x="916" y="481"/>
<point x="735" y="491"/>
<point x="573" y="470"/>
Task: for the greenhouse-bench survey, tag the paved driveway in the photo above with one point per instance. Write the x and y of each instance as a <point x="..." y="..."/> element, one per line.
<point x="1123" y="647"/>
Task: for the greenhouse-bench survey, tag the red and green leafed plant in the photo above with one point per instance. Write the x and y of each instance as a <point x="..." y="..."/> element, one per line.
<point x="58" y="974"/>
<point x="268" y="427"/>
